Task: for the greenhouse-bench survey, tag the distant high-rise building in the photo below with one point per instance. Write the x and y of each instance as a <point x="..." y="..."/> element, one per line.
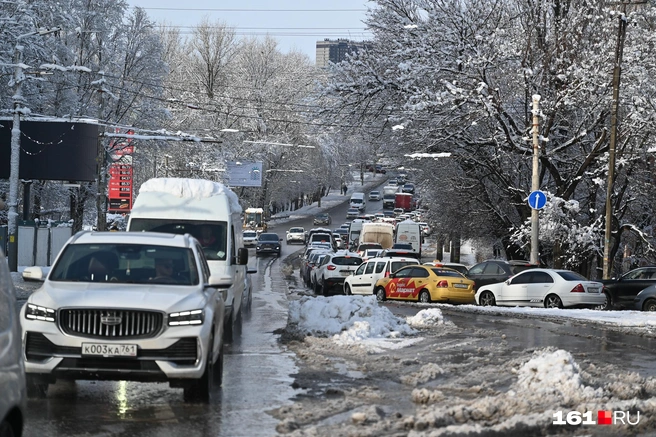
<point x="335" y="50"/>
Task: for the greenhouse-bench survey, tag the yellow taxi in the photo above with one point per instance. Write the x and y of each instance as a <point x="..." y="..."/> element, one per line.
<point x="426" y="284"/>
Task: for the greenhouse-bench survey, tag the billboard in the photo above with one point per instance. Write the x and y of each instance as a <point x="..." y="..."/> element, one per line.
<point x="244" y="173"/>
<point x="119" y="191"/>
<point x="56" y="150"/>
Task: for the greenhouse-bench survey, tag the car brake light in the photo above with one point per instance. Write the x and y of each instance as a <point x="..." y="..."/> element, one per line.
<point x="331" y="267"/>
<point x="443" y="283"/>
<point x="386" y="274"/>
<point x="578" y="289"/>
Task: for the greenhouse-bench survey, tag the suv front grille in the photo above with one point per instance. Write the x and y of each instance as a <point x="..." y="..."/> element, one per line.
<point x="108" y="323"/>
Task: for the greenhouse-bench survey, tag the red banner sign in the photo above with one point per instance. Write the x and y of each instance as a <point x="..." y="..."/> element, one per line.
<point x="120" y="176"/>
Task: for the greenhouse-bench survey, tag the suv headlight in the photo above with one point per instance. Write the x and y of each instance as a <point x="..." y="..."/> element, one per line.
<point x="35" y="312"/>
<point x="194" y="317"/>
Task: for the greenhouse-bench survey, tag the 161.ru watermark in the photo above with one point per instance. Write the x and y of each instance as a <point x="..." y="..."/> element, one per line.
<point x="603" y="418"/>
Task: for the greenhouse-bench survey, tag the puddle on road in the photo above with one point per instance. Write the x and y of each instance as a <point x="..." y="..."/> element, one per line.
<point x="587" y="339"/>
<point x="343" y="368"/>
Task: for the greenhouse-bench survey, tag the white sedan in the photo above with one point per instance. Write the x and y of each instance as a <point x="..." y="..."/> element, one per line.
<point x="547" y="288"/>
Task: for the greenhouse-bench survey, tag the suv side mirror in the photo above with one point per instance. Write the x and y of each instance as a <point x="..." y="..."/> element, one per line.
<point x="34" y="273"/>
<point x="242" y="256"/>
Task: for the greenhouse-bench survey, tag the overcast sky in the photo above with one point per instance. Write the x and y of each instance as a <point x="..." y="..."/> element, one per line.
<point x="296" y="24"/>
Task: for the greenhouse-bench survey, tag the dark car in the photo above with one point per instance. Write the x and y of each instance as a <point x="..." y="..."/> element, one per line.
<point x="268" y="242"/>
<point x="408" y="188"/>
<point x="620" y="292"/>
<point x="400" y="253"/>
<point x="322" y="219"/>
<point x="496" y="270"/>
<point x="646" y="299"/>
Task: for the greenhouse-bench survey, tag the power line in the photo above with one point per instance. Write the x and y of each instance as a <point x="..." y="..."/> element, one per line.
<point x="250" y="10"/>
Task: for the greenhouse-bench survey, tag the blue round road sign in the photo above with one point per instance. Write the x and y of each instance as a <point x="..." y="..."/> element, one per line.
<point x="537" y="199"/>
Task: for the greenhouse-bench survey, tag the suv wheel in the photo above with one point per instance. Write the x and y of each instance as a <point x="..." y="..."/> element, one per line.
<point x="201" y="389"/>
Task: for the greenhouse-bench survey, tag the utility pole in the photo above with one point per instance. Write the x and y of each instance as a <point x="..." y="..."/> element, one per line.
<point x="617" y="70"/>
<point x="14" y="164"/>
<point x="101" y="158"/>
<point x="535" y="182"/>
<point x="12" y="222"/>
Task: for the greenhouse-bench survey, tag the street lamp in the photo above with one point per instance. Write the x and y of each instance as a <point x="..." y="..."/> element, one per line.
<point x="14" y="165"/>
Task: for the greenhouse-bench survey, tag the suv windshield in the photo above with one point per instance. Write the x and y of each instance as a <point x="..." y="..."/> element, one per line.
<point x="269" y="237"/>
<point x="125" y="263"/>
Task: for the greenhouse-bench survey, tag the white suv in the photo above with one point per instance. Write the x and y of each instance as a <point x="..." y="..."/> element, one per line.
<point x="296" y="235"/>
<point x="134" y="306"/>
<point x="333" y="269"/>
<point x="365" y="277"/>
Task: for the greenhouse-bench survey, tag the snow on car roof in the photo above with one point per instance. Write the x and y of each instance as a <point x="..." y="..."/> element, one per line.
<point x="190" y="188"/>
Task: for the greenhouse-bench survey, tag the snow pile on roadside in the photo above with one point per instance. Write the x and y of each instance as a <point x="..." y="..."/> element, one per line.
<point x="555" y="373"/>
<point x="426" y="318"/>
<point x="428" y="372"/>
<point x="349" y="319"/>
<point x="550" y="380"/>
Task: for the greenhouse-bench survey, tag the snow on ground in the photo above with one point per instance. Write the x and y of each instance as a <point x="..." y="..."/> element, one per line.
<point x="641" y="320"/>
<point x="507" y="394"/>
<point x="354" y="318"/>
<point x="427" y="318"/>
<point x="549" y="382"/>
<point x="350" y="320"/>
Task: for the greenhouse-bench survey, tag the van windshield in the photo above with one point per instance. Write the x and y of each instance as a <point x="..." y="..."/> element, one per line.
<point x="211" y="235"/>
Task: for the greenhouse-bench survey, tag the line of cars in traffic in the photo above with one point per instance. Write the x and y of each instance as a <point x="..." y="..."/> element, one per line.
<point x="489" y="283"/>
<point x="394" y="273"/>
<point x="517" y="282"/>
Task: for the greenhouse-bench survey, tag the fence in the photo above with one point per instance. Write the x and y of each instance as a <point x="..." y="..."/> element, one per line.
<point x="37" y="245"/>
